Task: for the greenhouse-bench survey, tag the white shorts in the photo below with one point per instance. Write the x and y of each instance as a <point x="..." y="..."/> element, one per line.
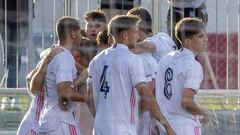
<point x="29" y="132"/>
<point x="149" y="126"/>
<point x="27" y="127"/>
<point x="183" y="130"/>
<point x="32" y="132"/>
<point x="64" y="129"/>
<point x="188" y="130"/>
<point x="144" y="124"/>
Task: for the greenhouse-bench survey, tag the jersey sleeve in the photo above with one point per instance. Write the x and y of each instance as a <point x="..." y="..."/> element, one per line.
<point x="153" y="68"/>
<point x="64" y="70"/>
<point x="194" y="76"/>
<point x="136" y="70"/>
<point x="90" y="72"/>
<point x="162" y="41"/>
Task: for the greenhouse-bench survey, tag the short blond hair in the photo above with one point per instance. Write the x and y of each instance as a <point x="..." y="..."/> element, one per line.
<point x="121" y="23"/>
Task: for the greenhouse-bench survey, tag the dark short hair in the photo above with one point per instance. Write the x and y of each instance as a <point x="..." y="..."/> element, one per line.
<point x="187" y="27"/>
<point x="145" y="24"/>
<point x="65" y="25"/>
<point x="95" y="15"/>
<point x="121" y="23"/>
<point x="102" y="37"/>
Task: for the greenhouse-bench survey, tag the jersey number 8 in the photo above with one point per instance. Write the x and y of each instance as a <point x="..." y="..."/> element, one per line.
<point x="167" y="86"/>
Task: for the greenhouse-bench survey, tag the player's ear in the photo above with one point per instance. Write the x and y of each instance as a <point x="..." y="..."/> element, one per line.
<point x="73" y="34"/>
<point x="124" y="35"/>
<point x="187" y="41"/>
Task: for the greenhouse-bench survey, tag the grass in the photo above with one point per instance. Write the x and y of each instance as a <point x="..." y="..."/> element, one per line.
<point x="212" y="103"/>
<point x="221" y="103"/>
<point x="24" y="100"/>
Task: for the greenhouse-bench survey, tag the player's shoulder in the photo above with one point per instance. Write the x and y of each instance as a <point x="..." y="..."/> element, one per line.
<point x="64" y="54"/>
<point x="162" y="36"/>
<point x="192" y="65"/>
<point x="99" y="57"/>
<point x="168" y="56"/>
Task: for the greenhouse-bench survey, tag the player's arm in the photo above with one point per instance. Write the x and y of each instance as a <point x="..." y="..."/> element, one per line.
<point x="28" y="79"/>
<point x="151" y="86"/>
<point x="144" y="46"/>
<point x="79" y="66"/>
<point x="150" y="103"/>
<point x="66" y="91"/>
<point x="90" y="100"/>
<point x="190" y="105"/>
<point x="81" y="79"/>
<point x="38" y="78"/>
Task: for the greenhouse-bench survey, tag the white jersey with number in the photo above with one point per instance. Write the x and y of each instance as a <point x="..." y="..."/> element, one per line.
<point x="62" y="68"/>
<point x="176" y="71"/>
<point x="114" y="73"/>
<point x="164" y="44"/>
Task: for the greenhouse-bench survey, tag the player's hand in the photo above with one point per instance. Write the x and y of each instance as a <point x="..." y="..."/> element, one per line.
<point x="155" y="131"/>
<point x="136" y="50"/>
<point x="154" y="127"/>
<point x="169" y="130"/>
<point x="63" y="104"/>
<point x="53" y="52"/>
<point x="204" y="119"/>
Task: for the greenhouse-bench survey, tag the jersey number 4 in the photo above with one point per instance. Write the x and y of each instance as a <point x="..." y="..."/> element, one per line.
<point x="167" y="86"/>
<point x="104" y="84"/>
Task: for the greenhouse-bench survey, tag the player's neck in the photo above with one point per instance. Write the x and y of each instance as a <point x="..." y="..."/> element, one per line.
<point x="65" y="44"/>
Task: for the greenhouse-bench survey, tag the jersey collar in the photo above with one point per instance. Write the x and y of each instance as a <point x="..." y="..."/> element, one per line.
<point x="122" y="46"/>
<point x="188" y="52"/>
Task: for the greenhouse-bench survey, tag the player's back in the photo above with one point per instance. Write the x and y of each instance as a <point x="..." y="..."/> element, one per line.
<point x="113" y="81"/>
<point x="171" y="78"/>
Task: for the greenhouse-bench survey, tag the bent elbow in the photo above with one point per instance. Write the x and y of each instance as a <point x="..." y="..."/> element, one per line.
<point x="33" y="90"/>
<point x="186" y="103"/>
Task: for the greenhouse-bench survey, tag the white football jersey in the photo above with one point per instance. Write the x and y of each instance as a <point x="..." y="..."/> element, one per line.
<point x="149" y="65"/>
<point x="176" y="71"/>
<point x="114" y="73"/>
<point x="30" y="121"/>
<point x="61" y="68"/>
<point x="164" y="44"/>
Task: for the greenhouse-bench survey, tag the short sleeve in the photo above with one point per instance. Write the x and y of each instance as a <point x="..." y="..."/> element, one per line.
<point x="90" y="72"/>
<point x="136" y="70"/>
<point x="194" y="76"/>
<point x="164" y="44"/>
<point x="65" y="65"/>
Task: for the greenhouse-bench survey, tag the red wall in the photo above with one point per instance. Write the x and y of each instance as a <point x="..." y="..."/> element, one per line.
<point x="217" y="51"/>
